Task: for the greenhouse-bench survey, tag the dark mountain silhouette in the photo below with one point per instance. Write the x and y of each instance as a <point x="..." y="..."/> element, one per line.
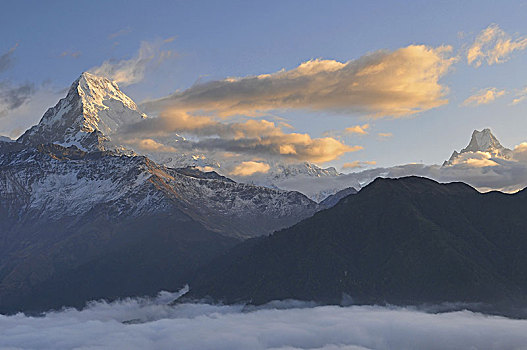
<point x="402" y="241"/>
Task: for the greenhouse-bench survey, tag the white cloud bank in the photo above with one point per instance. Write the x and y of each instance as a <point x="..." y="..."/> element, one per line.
<point x="155" y="325"/>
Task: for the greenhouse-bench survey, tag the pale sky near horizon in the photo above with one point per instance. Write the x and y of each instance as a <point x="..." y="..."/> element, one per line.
<point x="176" y="45"/>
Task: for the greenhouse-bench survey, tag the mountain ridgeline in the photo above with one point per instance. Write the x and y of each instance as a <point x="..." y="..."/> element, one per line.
<point x="402" y="241"/>
<point x="83" y="218"/>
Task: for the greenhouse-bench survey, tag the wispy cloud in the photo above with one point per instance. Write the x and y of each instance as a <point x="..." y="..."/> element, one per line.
<point x="357" y="164"/>
<point x="120" y="32"/>
<point x="73" y="54"/>
<point x="12" y="96"/>
<point x="519" y="96"/>
<point x="494" y="46"/>
<point x="131" y="71"/>
<point x="384" y="83"/>
<point x="358" y="129"/>
<point x="484" y="96"/>
<point x="6" y="59"/>
<point x="385" y="135"/>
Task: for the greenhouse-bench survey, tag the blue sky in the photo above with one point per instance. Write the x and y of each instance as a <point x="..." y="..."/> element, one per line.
<point x="53" y="42"/>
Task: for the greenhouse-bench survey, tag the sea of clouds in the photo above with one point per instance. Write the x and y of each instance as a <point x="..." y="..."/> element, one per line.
<point x="151" y="323"/>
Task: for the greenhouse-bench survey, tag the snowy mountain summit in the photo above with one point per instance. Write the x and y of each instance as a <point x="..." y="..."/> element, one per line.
<point x="481" y="142"/>
<point x="92" y="111"/>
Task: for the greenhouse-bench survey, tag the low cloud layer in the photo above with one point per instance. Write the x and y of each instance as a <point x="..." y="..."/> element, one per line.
<point x="478" y="169"/>
<point x="131" y="71"/>
<point x="484" y="96"/>
<point x="494" y="46"/>
<point x="152" y="324"/>
<point x="384" y="83"/>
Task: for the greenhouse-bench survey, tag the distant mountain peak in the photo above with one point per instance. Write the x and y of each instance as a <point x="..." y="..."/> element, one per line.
<point x="93" y="109"/>
<point x="482" y="141"/>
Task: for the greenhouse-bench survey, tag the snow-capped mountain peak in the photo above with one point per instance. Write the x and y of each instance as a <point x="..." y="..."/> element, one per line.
<point x="93" y="110"/>
<point x="482" y="141"/>
<point x="105" y="107"/>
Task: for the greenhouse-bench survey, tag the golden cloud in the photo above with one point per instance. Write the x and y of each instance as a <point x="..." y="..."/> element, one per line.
<point x="254" y="137"/>
<point x="358" y="129"/>
<point x="357" y="164"/>
<point x="250" y="168"/>
<point x="475" y="159"/>
<point x="149" y="145"/>
<point x="483" y="96"/>
<point x="384" y="83"/>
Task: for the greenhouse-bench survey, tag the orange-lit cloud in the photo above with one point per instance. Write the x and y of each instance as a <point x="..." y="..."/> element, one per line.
<point x="250" y="168"/>
<point x="358" y="129"/>
<point x="252" y="137"/>
<point x="357" y="164"/>
<point x="149" y="145"/>
<point x="385" y="134"/>
<point x="484" y="96"/>
<point x="384" y="83"/>
<point x="475" y="159"/>
<point x="494" y="46"/>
